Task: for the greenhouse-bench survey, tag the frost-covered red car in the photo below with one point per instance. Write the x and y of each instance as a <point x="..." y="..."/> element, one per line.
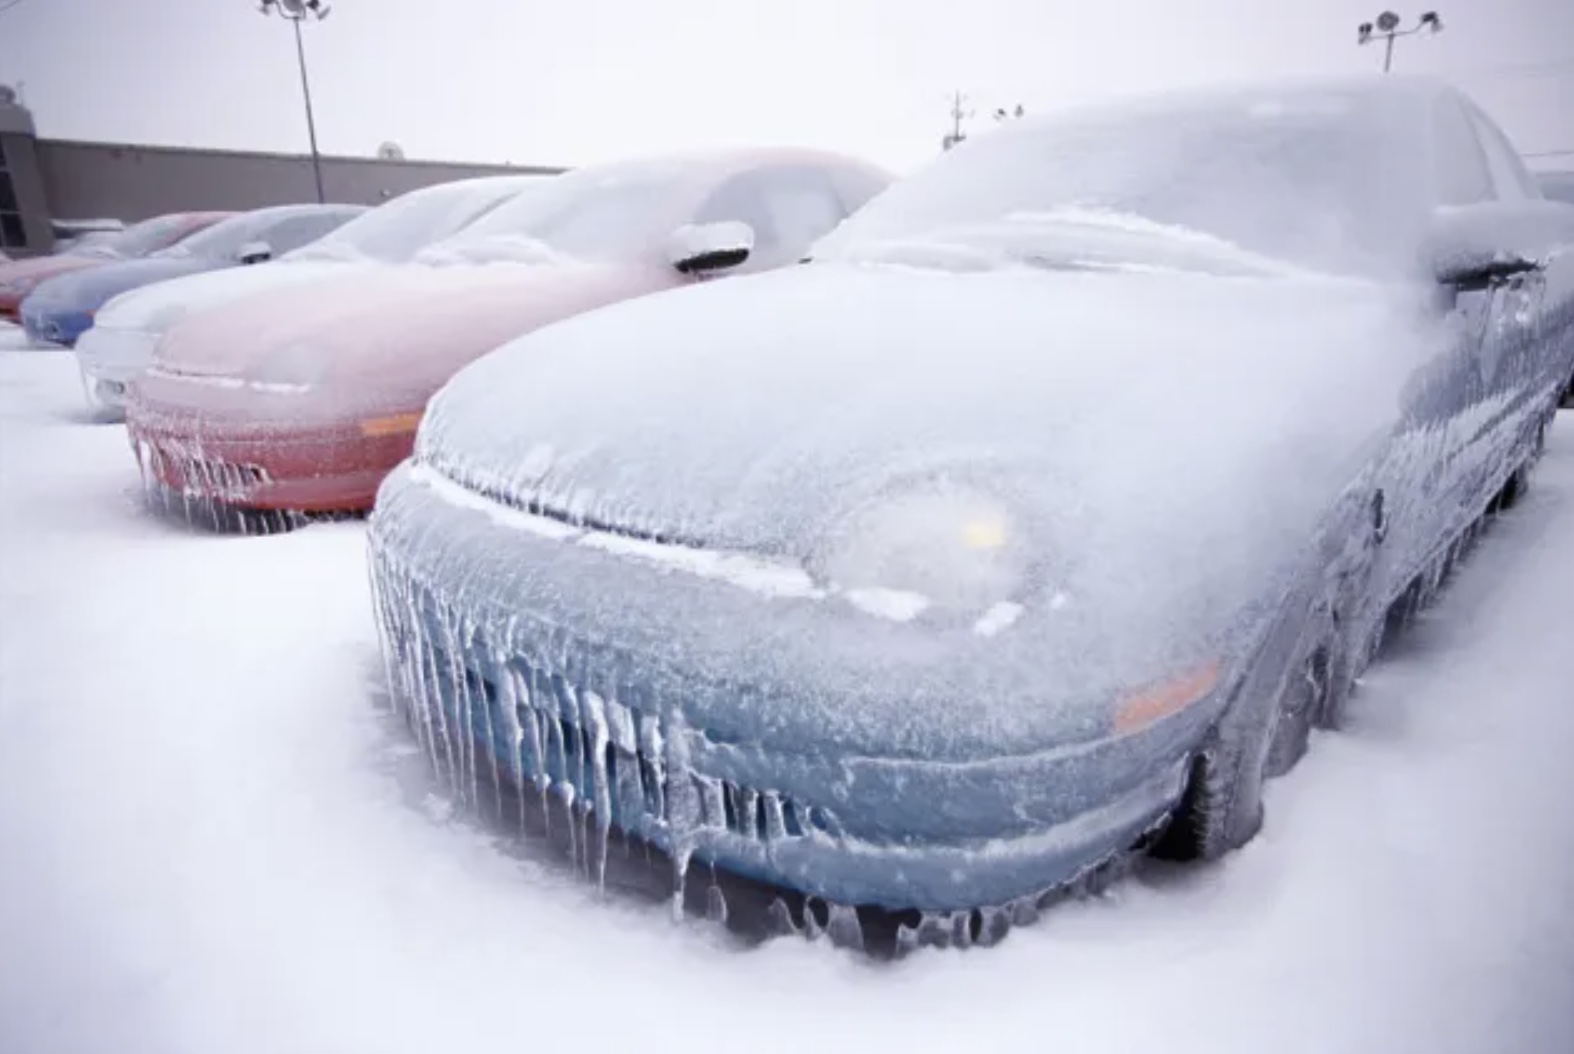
<point x="304" y="399"/>
<point x="18" y="278"/>
<point x="1042" y="514"/>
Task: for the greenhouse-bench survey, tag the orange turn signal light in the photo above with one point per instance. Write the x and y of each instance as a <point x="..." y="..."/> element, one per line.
<point x="1137" y="712"/>
<point x="394" y="424"/>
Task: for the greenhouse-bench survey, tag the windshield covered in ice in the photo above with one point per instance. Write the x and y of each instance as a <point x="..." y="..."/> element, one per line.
<point x="611" y="214"/>
<point x="1322" y="180"/>
<point x="220" y="241"/>
<point x="139" y="239"/>
<point x="396" y="231"/>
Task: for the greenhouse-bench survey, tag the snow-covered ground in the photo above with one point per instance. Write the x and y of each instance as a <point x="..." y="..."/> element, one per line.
<point x="209" y="842"/>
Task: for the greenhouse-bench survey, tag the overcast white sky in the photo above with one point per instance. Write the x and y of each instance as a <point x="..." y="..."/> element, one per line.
<point x="577" y="81"/>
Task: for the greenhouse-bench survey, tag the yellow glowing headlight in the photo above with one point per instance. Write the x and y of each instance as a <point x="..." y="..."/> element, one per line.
<point x="984" y="534"/>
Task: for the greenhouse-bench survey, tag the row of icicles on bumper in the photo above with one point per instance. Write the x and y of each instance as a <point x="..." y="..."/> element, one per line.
<point x="198" y="499"/>
<point x="589" y="761"/>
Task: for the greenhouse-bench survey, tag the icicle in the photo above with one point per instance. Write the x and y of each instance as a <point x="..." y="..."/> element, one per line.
<point x="713" y="813"/>
<point x="464" y="678"/>
<point x="681" y="856"/>
<point x="779" y="920"/>
<point x="811" y="922"/>
<point x="716" y="904"/>
<point x="494" y="674"/>
<point x="682" y="804"/>
<point x="593" y="725"/>
<point x="652" y="749"/>
<point x="508" y="705"/>
<point x="775" y="822"/>
<point x="384" y="631"/>
<point x="629" y="797"/>
<point x="843" y="927"/>
<point x="745" y="805"/>
<point x="437" y="702"/>
<point x="536" y="741"/>
<point x="564" y="785"/>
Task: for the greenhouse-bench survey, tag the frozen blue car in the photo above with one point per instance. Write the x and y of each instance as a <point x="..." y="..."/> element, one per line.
<point x="1040" y="515"/>
<point x="61" y="309"/>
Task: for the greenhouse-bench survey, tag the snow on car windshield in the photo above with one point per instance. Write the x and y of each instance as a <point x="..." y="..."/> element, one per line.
<point x="1320" y="179"/>
<point x="222" y="240"/>
<point x="395" y="232"/>
<point x="613" y="213"/>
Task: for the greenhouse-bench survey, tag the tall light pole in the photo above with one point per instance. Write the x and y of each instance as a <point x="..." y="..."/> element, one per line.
<point x="1387" y="30"/>
<point x="298" y="11"/>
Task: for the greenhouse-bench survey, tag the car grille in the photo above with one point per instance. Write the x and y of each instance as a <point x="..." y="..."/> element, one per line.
<point x="190" y="471"/>
<point x="625" y="764"/>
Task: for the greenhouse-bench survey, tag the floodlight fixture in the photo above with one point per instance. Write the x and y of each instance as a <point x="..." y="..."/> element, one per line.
<point x="1387" y="29"/>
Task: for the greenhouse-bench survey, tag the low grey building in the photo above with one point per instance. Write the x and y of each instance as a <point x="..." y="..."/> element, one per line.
<point x="47" y="180"/>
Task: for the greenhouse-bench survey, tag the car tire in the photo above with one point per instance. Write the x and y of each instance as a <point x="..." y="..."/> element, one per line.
<point x="1221" y="808"/>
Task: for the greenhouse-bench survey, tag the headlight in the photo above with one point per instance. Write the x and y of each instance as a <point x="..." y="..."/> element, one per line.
<point x="952" y="549"/>
<point x="294" y="366"/>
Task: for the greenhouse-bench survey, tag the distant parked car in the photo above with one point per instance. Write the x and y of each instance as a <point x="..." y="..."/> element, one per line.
<point x="76" y="235"/>
<point x="120" y="345"/>
<point x="61" y="309"/>
<point x="1040" y="515"/>
<point x="303" y="399"/>
<point x="20" y="277"/>
<point x="1559" y="186"/>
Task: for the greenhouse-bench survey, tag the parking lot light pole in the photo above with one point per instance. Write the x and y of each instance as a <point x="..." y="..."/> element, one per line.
<point x="297" y="11"/>
<point x="1387" y="30"/>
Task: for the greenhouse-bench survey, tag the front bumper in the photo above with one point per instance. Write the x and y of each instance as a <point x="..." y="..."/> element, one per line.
<point x="627" y="687"/>
<point x="310" y="469"/>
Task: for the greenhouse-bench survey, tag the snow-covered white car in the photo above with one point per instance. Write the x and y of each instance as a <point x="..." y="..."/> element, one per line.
<point x="120" y="344"/>
<point x="1042" y="513"/>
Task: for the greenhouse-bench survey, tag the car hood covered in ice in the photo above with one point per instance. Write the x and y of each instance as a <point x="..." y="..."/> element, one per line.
<point x="156" y="308"/>
<point x="1103" y="411"/>
<point x="379" y="340"/>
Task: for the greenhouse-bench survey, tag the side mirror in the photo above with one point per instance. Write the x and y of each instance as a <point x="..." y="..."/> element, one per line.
<point x="254" y="252"/>
<point x="705" y="247"/>
<point x="1474" y="247"/>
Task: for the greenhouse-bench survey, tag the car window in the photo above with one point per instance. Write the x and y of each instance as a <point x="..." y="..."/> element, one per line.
<point x="1460" y="167"/>
<point x="1510" y="178"/>
<point x="789" y="207"/>
<point x="294" y="231"/>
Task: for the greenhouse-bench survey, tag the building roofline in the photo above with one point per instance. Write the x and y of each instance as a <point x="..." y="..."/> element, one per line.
<point x="152" y="148"/>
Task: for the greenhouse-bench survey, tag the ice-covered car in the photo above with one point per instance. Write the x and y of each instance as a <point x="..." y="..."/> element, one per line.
<point x="1039" y="515"/>
<point x="125" y="331"/>
<point x="61" y="309"/>
<point x="303" y="400"/>
<point x="18" y="278"/>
